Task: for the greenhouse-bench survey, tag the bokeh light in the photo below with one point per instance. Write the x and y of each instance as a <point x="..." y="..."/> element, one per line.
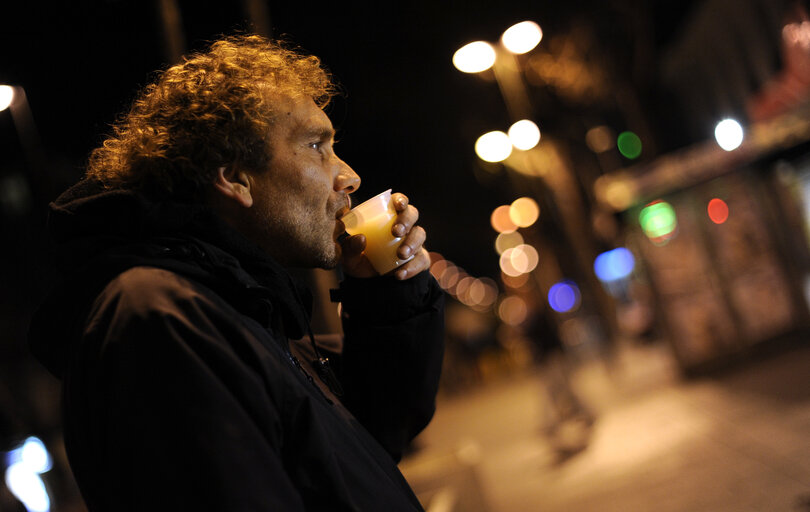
<point x="614" y="265"/>
<point x="474" y="57"/>
<point x="618" y="193"/>
<point x="524" y="134"/>
<point x="506" y="264"/>
<point x="478" y="294"/>
<point x="729" y="134"/>
<point x="600" y="139"/>
<point x="629" y="145"/>
<point x="519" y="260"/>
<point x="658" y="221"/>
<point x="473" y="292"/>
<point x="522" y="37"/>
<point x="490" y="292"/>
<point x="501" y="220"/>
<point x="457" y="281"/>
<point x="718" y="210"/>
<point x="525" y="258"/>
<point x="462" y="288"/>
<point x="506" y="241"/>
<point x="513" y="310"/>
<point x="524" y="212"/>
<point x="493" y="147"/>
<point x="449" y="277"/>
<point x="564" y="296"/>
<point x="6" y="96"/>
<point x="437" y="268"/>
<point x="24" y="465"/>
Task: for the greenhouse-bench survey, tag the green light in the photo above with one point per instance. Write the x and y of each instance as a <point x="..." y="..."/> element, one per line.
<point x="658" y="221"/>
<point x="629" y="145"/>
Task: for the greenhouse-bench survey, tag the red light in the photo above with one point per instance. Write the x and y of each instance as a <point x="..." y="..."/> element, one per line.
<point x="718" y="211"/>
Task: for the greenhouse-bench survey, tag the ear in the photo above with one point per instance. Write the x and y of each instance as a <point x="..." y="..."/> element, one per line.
<point x="235" y="185"/>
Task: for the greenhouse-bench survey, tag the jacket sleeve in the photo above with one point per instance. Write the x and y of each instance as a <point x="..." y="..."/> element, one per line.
<point x="392" y="355"/>
<point x="161" y="412"/>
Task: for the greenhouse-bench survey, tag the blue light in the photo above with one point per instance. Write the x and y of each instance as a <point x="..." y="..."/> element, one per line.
<point x="25" y="464"/>
<point x="614" y="265"/>
<point x="564" y="296"/>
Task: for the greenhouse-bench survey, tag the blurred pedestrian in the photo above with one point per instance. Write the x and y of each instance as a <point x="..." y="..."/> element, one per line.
<point x="566" y="420"/>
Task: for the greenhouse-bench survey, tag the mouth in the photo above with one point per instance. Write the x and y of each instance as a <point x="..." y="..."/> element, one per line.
<point x="345" y="209"/>
<point x="340" y="228"/>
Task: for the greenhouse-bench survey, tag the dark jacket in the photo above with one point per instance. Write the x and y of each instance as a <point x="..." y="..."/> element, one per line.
<point x="182" y="389"/>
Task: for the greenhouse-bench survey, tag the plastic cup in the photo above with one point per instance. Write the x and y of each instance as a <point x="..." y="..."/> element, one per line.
<point x="375" y="219"/>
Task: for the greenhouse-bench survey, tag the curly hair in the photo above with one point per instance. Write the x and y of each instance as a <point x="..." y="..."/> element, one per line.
<point x="213" y="109"/>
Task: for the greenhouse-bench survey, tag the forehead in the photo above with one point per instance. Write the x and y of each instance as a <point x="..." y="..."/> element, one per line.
<point x="301" y="117"/>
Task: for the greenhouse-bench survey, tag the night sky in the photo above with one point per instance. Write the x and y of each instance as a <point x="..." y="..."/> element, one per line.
<point x="407" y="119"/>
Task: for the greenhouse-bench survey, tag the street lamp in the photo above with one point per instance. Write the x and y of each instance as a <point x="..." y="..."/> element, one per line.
<point x="493" y="146"/>
<point x="729" y="134"/>
<point x="480" y="56"/>
<point x="474" y="57"/>
<point x="13" y="98"/>
<point x="522" y="37"/>
<point x="6" y="96"/>
<point x="532" y="160"/>
<point x="524" y="134"/>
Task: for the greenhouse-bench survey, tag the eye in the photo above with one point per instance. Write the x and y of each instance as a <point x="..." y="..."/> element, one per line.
<point x="316" y="145"/>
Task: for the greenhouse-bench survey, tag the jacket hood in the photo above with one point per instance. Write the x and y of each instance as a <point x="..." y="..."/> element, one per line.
<point x="98" y="233"/>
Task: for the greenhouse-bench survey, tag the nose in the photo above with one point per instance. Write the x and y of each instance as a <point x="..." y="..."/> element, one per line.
<point x="346" y="180"/>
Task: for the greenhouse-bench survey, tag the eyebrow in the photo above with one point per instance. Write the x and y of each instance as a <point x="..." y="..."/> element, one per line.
<point x="321" y="132"/>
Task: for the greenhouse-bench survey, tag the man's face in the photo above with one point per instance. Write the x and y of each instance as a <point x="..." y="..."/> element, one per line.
<point x="299" y="198"/>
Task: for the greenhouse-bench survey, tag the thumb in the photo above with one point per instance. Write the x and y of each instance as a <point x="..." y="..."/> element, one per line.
<point x="353" y="246"/>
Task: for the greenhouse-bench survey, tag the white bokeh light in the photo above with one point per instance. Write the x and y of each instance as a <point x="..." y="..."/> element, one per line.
<point x="522" y="37"/>
<point x="493" y="146"/>
<point x="729" y="134"/>
<point x="524" y="134"/>
<point x="6" y="96"/>
<point x="474" y="57"/>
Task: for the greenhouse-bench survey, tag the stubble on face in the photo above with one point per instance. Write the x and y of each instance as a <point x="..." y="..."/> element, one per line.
<point x="294" y="218"/>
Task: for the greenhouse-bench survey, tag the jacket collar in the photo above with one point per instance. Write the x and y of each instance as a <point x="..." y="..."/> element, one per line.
<point x="99" y="233"/>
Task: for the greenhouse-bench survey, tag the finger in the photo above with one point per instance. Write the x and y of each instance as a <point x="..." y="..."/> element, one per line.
<point x="418" y="264"/>
<point x="405" y="221"/>
<point x="353" y="261"/>
<point x="353" y="246"/>
<point x="400" y="201"/>
<point x="412" y="243"/>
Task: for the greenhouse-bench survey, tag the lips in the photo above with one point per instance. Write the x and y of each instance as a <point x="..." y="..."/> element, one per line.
<point x="345" y="209"/>
<point x="340" y="228"/>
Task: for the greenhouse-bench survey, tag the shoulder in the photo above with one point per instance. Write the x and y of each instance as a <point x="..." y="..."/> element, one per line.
<point x="141" y="291"/>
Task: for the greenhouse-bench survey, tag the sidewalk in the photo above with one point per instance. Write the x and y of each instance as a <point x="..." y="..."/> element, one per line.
<point x="735" y="442"/>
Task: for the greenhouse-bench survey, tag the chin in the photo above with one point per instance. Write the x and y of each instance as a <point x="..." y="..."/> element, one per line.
<point x="329" y="258"/>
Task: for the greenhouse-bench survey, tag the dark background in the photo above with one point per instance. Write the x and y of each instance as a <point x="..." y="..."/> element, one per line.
<point x="407" y="120"/>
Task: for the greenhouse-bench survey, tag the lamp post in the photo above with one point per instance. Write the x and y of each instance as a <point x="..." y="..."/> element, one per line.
<point x="533" y="160"/>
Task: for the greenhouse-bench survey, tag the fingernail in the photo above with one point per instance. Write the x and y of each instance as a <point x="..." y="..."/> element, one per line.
<point x="402" y="274"/>
<point x="406" y="251"/>
<point x="399" y="230"/>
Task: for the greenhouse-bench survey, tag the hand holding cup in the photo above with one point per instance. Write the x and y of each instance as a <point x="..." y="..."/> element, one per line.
<point x="384" y="238"/>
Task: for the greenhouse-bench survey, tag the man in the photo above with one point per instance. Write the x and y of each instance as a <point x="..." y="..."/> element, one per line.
<point x="177" y="331"/>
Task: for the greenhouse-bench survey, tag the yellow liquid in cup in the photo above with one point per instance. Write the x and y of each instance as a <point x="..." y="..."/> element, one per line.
<point x="381" y="244"/>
